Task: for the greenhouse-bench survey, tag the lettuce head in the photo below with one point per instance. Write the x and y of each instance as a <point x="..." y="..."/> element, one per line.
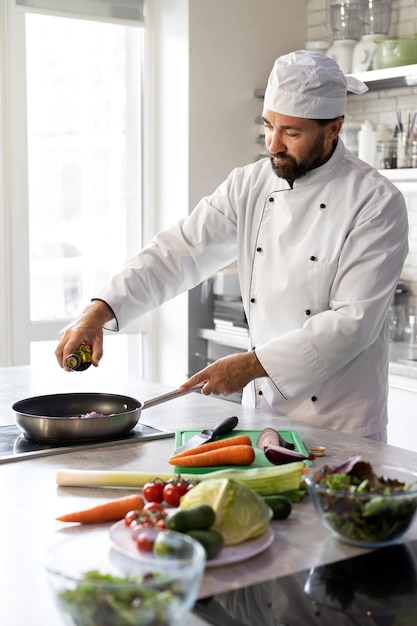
<point x="241" y="514"/>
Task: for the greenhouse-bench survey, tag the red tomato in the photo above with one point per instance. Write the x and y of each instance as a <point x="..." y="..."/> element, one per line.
<point x="137" y="528"/>
<point x="153" y="492"/>
<point x="145" y="540"/>
<point x="174" y="490"/>
<point x="161" y="524"/>
<point x="131" y="516"/>
<point x="153" y="506"/>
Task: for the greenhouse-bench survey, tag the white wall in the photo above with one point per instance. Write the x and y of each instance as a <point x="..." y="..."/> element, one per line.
<point x="5" y="340"/>
<point x="212" y="55"/>
<point x="233" y="44"/>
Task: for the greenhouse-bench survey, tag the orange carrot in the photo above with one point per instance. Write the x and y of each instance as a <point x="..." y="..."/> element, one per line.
<point x="238" y="440"/>
<point x="227" y="455"/>
<point x="111" y="511"/>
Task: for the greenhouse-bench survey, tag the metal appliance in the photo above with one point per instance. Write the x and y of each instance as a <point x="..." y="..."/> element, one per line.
<point x="398" y="312"/>
<point x="343" y="19"/>
<point x="375" y="20"/>
<point x="14" y="446"/>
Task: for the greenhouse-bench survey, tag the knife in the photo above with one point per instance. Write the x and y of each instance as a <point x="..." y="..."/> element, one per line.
<point x="206" y="435"/>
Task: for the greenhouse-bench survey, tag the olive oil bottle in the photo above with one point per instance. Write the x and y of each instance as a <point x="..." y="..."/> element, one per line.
<point x="79" y="360"/>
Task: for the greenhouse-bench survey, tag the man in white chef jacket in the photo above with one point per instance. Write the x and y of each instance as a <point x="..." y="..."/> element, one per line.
<point x="320" y="239"/>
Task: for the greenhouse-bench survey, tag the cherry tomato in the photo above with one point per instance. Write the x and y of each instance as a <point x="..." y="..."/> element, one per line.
<point x="137" y="528"/>
<point x="174" y="490"/>
<point x="161" y="524"/>
<point x="153" y="506"/>
<point x="153" y="491"/>
<point x="131" y="516"/>
<point x="151" y="518"/>
<point x="146" y="539"/>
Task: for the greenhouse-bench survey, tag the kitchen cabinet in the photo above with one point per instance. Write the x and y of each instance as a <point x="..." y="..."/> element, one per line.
<point x="208" y="342"/>
<point x="402" y="412"/>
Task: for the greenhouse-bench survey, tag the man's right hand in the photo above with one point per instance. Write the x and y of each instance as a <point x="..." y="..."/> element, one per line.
<point x="87" y="328"/>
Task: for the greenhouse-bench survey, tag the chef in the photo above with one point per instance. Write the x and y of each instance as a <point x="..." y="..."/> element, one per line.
<point x="320" y="239"/>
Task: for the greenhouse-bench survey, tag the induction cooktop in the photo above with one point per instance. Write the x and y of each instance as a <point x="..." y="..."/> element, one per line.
<point x="15" y="446"/>
<point x="377" y="588"/>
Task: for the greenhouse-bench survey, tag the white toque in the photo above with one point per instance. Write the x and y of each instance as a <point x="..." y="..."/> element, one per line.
<point x="310" y="85"/>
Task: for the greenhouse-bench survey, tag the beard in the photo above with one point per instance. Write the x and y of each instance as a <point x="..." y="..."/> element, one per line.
<point x="290" y="169"/>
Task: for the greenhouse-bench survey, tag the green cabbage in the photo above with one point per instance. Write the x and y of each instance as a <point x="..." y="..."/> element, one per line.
<point x="241" y="513"/>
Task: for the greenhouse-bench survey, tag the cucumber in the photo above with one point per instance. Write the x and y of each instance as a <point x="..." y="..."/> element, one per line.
<point x="211" y="540"/>
<point x="280" y="505"/>
<point x="199" y="517"/>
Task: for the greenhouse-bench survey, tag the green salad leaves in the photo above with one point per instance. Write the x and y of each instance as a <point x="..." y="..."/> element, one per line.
<point x="361" y="505"/>
<point x="106" y="600"/>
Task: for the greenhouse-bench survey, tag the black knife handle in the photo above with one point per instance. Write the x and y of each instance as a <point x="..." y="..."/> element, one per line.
<point x="225" y="426"/>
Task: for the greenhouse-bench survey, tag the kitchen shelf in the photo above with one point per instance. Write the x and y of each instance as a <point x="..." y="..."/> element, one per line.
<point x="224" y="339"/>
<point x="388" y="78"/>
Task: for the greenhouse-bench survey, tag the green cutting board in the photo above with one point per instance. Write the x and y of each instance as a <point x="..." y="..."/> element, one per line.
<point x="290" y="436"/>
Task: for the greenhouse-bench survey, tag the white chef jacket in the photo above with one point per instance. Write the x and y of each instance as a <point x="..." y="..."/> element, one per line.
<point x="318" y="265"/>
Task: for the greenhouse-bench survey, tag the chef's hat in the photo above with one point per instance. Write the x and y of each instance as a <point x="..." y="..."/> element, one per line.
<point x="310" y="85"/>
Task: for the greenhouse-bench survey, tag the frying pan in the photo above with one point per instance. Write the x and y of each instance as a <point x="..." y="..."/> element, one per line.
<point x="57" y="417"/>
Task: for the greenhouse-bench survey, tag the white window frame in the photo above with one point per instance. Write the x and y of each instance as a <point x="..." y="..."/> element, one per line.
<point x="16" y="330"/>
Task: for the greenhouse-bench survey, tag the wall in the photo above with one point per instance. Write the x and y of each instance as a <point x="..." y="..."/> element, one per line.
<point x="233" y="45"/>
<point x="381" y="106"/>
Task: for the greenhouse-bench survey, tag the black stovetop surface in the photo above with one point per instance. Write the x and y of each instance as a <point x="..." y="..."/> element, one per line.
<point x="377" y="588"/>
<point x="15" y="446"/>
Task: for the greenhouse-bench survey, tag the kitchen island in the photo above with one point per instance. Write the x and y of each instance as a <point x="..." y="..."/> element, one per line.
<point x="32" y="500"/>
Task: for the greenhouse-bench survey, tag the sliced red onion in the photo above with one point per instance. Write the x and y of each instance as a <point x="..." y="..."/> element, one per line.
<point x="271" y="437"/>
<point x="267" y="437"/>
<point x="280" y="455"/>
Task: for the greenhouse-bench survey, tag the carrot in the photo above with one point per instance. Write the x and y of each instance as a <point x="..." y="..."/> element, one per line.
<point x="227" y="455"/>
<point x="238" y="440"/>
<point x="111" y="511"/>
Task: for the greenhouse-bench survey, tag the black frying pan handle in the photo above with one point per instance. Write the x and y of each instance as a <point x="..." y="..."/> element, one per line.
<point x="169" y="396"/>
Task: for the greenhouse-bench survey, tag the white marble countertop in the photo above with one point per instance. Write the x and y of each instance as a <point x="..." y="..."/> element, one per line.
<point x="32" y="500"/>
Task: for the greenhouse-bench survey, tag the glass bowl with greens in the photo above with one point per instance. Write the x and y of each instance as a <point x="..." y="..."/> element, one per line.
<point x="362" y="504"/>
<point x="94" y="584"/>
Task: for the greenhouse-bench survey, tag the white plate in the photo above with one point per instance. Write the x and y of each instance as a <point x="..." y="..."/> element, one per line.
<point x="122" y="540"/>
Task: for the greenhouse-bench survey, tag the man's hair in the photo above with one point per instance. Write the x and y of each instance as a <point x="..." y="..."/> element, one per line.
<point x="325" y="122"/>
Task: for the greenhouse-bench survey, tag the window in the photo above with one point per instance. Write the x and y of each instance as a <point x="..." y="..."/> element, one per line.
<point x="75" y="153"/>
<point x="84" y="174"/>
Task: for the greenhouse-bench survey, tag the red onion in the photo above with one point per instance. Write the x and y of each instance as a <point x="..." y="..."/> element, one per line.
<point x="278" y="455"/>
<point x="271" y="437"/>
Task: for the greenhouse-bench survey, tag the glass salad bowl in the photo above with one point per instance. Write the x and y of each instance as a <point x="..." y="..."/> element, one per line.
<point x="364" y="505"/>
<point x="93" y="583"/>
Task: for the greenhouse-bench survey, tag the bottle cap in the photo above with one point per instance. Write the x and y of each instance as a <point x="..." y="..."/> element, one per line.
<point x="73" y="361"/>
<point x="317" y="450"/>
